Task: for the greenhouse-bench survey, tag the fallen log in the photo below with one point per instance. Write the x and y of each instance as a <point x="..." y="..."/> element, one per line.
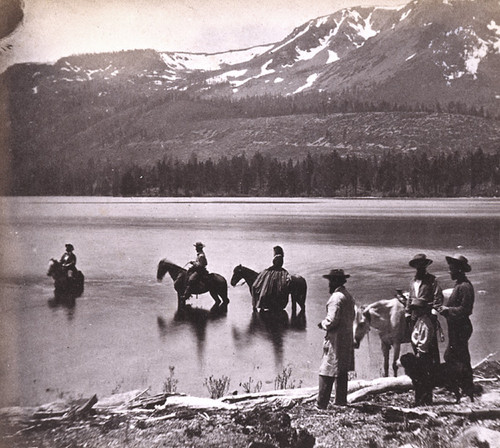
<point x="380" y="385"/>
<point x="484" y="360"/>
<point x="86" y="407"/>
<point x="304" y="392"/>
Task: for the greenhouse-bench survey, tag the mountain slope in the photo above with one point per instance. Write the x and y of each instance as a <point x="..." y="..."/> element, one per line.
<point x="425" y="51"/>
<point x="144" y="103"/>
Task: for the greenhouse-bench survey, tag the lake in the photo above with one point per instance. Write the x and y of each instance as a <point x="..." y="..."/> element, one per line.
<point x="123" y="333"/>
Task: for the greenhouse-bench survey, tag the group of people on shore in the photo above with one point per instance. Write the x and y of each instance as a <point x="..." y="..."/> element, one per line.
<point x="423" y="304"/>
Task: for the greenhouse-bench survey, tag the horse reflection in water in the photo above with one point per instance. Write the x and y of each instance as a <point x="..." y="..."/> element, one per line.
<point x="197" y="319"/>
<point x="272" y="326"/>
<point x="68" y="302"/>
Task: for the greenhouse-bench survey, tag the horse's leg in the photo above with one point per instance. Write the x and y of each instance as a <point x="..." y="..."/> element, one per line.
<point x="224" y="295"/>
<point x="215" y="296"/>
<point x="385" y="351"/>
<point x="302" y="302"/>
<point x="254" y="302"/>
<point x="181" y="302"/>
<point x="395" y="356"/>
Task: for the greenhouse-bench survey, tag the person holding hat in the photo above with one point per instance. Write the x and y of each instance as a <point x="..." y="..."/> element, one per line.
<point x="457" y="309"/>
<point x="271" y="286"/>
<point x="338" y="346"/>
<point x="424" y="287"/>
<point x="68" y="261"/>
<point x="197" y="269"/>
<point x="423" y="340"/>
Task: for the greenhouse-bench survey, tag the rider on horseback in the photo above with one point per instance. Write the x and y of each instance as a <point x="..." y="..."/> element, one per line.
<point x="197" y="270"/>
<point x="68" y="261"/>
<point x="271" y="285"/>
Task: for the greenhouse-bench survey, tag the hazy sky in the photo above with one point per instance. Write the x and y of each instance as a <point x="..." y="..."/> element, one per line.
<point x="52" y="29"/>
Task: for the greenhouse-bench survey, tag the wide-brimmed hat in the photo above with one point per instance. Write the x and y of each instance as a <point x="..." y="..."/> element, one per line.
<point x="199" y="244"/>
<point x="336" y="273"/>
<point x="420" y="260"/>
<point x="460" y="261"/>
<point x="69" y="247"/>
<point x="419" y="303"/>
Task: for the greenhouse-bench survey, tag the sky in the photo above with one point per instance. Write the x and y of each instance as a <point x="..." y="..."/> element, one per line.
<point x="52" y="29"/>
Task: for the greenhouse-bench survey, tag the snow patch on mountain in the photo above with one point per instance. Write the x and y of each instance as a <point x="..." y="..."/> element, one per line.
<point x="214" y="61"/>
<point x="363" y="27"/>
<point x="264" y="70"/>
<point x="309" y="83"/>
<point x="304" y="31"/>
<point x="321" y="21"/>
<point x="223" y="77"/>
<point x="492" y="26"/>
<point x="405" y="15"/>
<point x="474" y="57"/>
<point x="305" y="55"/>
<point x="332" y="57"/>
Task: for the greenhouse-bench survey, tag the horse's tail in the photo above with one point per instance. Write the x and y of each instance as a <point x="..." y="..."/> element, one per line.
<point x="298" y="289"/>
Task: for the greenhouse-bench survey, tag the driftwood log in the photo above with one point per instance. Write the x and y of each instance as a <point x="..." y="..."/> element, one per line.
<point x="165" y="406"/>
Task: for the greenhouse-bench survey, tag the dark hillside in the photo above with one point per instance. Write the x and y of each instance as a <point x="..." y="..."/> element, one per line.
<point x="178" y="130"/>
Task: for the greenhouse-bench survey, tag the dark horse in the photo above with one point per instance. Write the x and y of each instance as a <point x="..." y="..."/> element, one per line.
<point x="64" y="285"/>
<point x="297" y="291"/>
<point x="213" y="283"/>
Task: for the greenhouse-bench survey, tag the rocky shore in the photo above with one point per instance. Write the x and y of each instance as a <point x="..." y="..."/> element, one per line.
<point x="280" y="419"/>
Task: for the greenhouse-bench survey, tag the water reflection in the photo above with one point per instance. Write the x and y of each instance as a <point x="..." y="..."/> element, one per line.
<point x="65" y="301"/>
<point x="196" y="319"/>
<point x="271" y="326"/>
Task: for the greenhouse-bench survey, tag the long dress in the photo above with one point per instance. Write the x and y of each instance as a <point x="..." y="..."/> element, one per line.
<point x="271" y="287"/>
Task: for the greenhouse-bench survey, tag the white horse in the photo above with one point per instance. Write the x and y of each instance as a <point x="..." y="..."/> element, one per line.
<point x="388" y="317"/>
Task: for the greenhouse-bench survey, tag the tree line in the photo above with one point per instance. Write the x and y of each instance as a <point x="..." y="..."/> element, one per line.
<point x="328" y="175"/>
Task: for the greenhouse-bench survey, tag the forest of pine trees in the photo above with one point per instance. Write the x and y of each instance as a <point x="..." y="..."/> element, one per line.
<point x="391" y="175"/>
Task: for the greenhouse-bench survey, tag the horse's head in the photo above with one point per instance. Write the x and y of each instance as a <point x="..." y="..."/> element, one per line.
<point x="237" y="275"/>
<point x="165" y="266"/>
<point x="54" y="267"/>
<point x="361" y="325"/>
<point x="162" y="270"/>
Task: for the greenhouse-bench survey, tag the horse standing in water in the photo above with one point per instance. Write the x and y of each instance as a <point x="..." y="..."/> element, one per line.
<point x="64" y="285"/>
<point x="388" y="317"/>
<point x="297" y="290"/>
<point x="213" y="283"/>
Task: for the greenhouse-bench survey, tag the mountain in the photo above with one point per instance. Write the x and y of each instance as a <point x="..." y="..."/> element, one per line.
<point x="426" y="56"/>
<point x="425" y="51"/>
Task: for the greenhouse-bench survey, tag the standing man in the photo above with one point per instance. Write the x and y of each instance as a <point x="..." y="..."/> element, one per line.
<point x="338" y="346"/>
<point x="424" y="287"/>
<point x="68" y="261"/>
<point x="456" y="310"/>
<point x="197" y="269"/>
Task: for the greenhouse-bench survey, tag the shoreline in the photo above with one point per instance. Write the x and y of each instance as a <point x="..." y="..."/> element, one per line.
<point x="286" y="418"/>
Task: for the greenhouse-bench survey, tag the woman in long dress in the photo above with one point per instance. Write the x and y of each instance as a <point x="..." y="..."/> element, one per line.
<point x="271" y="287"/>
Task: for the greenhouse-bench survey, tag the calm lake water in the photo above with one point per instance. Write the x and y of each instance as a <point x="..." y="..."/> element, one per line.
<point x="123" y="332"/>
